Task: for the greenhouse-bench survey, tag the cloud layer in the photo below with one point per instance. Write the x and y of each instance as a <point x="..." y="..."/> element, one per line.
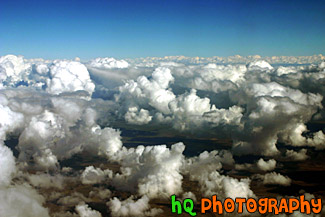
<point x="59" y="125"/>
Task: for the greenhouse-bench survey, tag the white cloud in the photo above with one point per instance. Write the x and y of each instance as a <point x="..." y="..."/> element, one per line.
<point x="47" y="106"/>
<point x="85" y="211"/>
<point x="297" y="156"/>
<point x="44" y="180"/>
<point x="11" y="69"/>
<point x="93" y="175"/>
<point x="224" y="186"/>
<point x="131" y="207"/>
<point x="151" y="92"/>
<point x="204" y="169"/>
<point x="67" y="76"/>
<point x="21" y="201"/>
<point x="108" y="63"/>
<point x="276" y="179"/>
<point x="266" y="165"/>
<point x="318" y="140"/>
<point x="153" y="171"/>
<point x="261" y="65"/>
<point x="8" y="167"/>
<point x="133" y="116"/>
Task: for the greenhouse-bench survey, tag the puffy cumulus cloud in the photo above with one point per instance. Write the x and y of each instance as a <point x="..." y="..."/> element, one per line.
<point x="182" y="111"/>
<point x="11" y="68"/>
<point x="108" y="63"/>
<point x="44" y="180"/>
<point x="93" y="175"/>
<point x="69" y="76"/>
<point x="260" y="165"/>
<point x="258" y="114"/>
<point x="46" y="106"/>
<point x="10" y="120"/>
<point x="292" y="155"/>
<point x="48" y="129"/>
<point x="188" y="109"/>
<point x="322" y="65"/>
<point x="233" y="73"/>
<point x="274" y="178"/>
<point x="15" y="200"/>
<point x="266" y="165"/>
<point x="65" y="214"/>
<point x="54" y="128"/>
<point x="234" y="188"/>
<point x="209" y="77"/>
<point x="245" y="166"/>
<point x="274" y="113"/>
<point x="133" y="116"/>
<point x="205" y="170"/>
<point x="149" y="93"/>
<point x="224" y="186"/>
<point x="100" y="193"/>
<point x="108" y="73"/>
<point x="85" y="211"/>
<point x="55" y="77"/>
<point x="216" y="78"/>
<point x="21" y="201"/>
<point x="304" y="79"/>
<point x="207" y="162"/>
<point x="189" y="104"/>
<point x="274" y="89"/>
<point x="8" y="165"/>
<point x="153" y="171"/>
<point x="231" y="116"/>
<point x="106" y="141"/>
<point x="72" y="199"/>
<point x="41" y="130"/>
<point x="295" y="137"/>
<point x="261" y="65"/>
<point x="131" y="207"/>
<point x="318" y="140"/>
<point x="282" y="70"/>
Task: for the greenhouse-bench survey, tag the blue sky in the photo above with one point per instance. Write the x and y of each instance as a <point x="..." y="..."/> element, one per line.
<point x="89" y="29"/>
